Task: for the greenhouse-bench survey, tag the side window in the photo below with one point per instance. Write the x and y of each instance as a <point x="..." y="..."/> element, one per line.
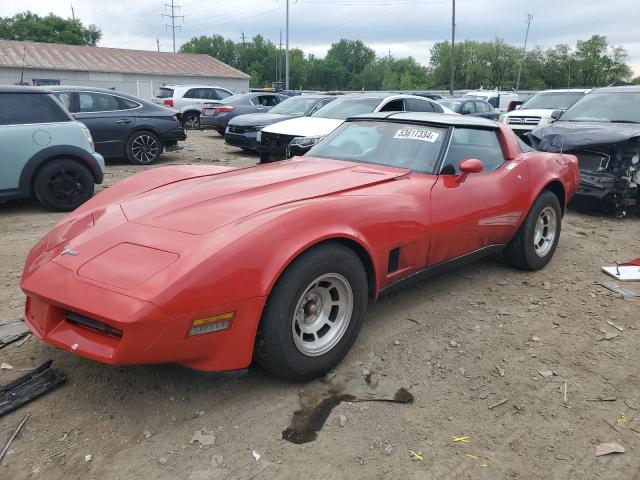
<point x="97" y="102"/>
<point x="222" y="93"/>
<point x="27" y="108"/>
<point x="272" y="100"/>
<point x="319" y="105"/>
<point x="468" y="108"/>
<point x="473" y="143"/>
<point x="126" y="104"/>
<point x="192" y="93"/>
<point x="64" y="98"/>
<point x="482" y="107"/>
<point x="415" y="105"/>
<point x="394" y="106"/>
<point x="209" y="94"/>
<point x="493" y="101"/>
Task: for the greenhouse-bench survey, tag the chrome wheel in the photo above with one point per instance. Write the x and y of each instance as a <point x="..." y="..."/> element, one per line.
<point x="322" y="314"/>
<point x="192" y="122"/>
<point x="545" y="231"/>
<point x="145" y="148"/>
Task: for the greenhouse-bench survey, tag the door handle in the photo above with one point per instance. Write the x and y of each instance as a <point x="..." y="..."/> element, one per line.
<point x="123" y="121"/>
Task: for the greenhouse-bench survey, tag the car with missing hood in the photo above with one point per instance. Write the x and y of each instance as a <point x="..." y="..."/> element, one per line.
<point x="275" y="140"/>
<point x="242" y="130"/>
<point x="603" y="130"/>
<point x="210" y="267"/>
<point x="540" y="109"/>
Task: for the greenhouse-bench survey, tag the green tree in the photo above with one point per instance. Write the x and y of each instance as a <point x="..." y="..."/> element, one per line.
<point x="49" y="29"/>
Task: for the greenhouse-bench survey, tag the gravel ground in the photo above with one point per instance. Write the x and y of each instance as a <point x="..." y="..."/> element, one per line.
<point x="460" y="344"/>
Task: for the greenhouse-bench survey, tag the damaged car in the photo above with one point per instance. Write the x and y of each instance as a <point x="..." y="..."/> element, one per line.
<point x="603" y="130"/>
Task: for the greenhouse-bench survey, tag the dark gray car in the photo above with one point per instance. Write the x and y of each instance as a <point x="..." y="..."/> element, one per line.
<point x="242" y="130"/>
<point x="217" y="116"/>
<point x="470" y="106"/>
<point x="123" y="125"/>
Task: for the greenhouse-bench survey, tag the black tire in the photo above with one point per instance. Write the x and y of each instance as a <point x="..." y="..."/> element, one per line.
<point x="265" y="157"/>
<point x="191" y="121"/>
<point x="63" y="185"/>
<point x="522" y="251"/>
<point x="275" y="347"/>
<point x="143" y="148"/>
<point x="221" y="131"/>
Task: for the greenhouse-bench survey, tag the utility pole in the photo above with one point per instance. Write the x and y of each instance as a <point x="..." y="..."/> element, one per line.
<point x="244" y="51"/>
<point x="173" y="17"/>
<point x="73" y="14"/>
<point x="286" y="54"/>
<point x="453" y="47"/>
<point x="524" y="50"/>
<point x="158" y="43"/>
<point x="278" y="75"/>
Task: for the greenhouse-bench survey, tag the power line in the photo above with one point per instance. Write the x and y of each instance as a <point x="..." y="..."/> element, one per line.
<point x="173" y="17"/>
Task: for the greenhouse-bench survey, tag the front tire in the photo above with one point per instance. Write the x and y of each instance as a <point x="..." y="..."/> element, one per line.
<point x="191" y="121"/>
<point x="313" y="315"/>
<point x="535" y="243"/>
<point x="143" y="148"/>
<point x="63" y="185"/>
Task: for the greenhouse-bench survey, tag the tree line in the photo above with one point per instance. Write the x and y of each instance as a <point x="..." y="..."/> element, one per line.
<point x="352" y="65"/>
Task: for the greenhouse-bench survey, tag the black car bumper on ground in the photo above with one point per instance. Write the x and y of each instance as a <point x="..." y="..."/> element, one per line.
<point x="273" y="146"/>
<point x="242" y="137"/>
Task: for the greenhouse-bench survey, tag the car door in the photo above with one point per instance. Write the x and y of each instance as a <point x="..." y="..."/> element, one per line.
<point x="482" y="209"/>
<point x="109" y="118"/>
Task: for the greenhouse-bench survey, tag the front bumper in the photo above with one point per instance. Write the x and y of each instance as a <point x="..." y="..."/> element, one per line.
<point x="149" y="336"/>
<point x="274" y="145"/>
<point x="242" y="140"/>
<point x="177" y="134"/>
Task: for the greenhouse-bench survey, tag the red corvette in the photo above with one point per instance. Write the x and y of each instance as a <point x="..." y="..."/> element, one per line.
<point x="211" y="267"/>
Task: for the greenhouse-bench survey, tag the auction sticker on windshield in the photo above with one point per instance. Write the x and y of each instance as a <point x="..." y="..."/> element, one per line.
<point x="421" y="134"/>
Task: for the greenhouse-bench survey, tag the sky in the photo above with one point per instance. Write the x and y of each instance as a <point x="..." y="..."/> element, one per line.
<point x="399" y="27"/>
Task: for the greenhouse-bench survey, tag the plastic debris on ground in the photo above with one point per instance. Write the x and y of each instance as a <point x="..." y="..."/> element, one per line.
<point x="625" y="272"/>
<point x="624" y="292"/>
<point x="607" y="448"/>
<point x="13" y="436"/>
<point x="12" y="332"/>
<point x="417" y="456"/>
<point x="29" y="386"/>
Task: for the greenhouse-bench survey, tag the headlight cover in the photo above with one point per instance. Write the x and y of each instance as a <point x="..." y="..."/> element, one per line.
<point x="259" y="137"/>
<point x="306" y="142"/>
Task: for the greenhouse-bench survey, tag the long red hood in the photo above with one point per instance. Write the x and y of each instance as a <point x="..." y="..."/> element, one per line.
<point x="202" y="204"/>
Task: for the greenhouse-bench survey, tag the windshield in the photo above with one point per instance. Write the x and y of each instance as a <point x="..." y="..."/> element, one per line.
<point x="415" y="147"/>
<point x="615" y="107"/>
<point x="165" y="92"/>
<point x="449" y="104"/>
<point x="348" y="107"/>
<point x="553" y="100"/>
<point x="295" y="106"/>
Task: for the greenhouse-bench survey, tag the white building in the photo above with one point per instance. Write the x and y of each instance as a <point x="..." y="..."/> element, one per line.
<point x="137" y="72"/>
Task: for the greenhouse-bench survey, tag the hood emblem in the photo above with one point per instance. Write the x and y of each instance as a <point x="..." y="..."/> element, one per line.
<point x="69" y="251"/>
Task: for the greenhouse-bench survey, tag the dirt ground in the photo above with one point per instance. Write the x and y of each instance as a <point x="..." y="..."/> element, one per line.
<point x="459" y="343"/>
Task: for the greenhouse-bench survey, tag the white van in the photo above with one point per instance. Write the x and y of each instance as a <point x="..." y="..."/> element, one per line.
<point x="498" y="100"/>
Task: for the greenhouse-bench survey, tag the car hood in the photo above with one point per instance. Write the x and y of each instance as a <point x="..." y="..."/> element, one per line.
<point x="254" y="119"/>
<point x="305" y="126"/>
<point x="569" y="135"/>
<point x="203" y="204"/>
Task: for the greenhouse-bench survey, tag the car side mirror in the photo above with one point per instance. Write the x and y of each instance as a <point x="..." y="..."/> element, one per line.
<point x="467" y="166"/>
<point x="556" y="114"/>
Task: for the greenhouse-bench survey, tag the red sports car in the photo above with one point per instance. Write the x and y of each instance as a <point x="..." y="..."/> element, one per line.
<point x="211" y="267"/>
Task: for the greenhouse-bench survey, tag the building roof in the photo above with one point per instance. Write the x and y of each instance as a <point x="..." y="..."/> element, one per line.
<point x="20" y="89"/>
<point x="57" y="56"/>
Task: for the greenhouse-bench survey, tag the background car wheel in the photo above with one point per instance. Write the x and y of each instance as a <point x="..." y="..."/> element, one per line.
<point x="536" y="241"/>
<point x="143" y="148"/>
<point x="191" y="121"/>
<point x="63" y="185"/>
<point x="313" y="315"/>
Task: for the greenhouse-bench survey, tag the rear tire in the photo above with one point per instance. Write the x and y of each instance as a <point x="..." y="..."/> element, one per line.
<point x="143" y="148"/>
<point x="63" y="185"/>
<point x="191" y="121"/>
<point x="537" y="238"/>
<point x="313" y="315"/>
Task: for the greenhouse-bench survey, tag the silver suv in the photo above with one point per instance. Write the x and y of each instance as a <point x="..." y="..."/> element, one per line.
<point x="189" y="100"/>
<point x="44" y="151"/>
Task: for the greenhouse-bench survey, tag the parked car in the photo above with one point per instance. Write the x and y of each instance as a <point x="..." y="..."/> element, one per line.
<point x="218" y="116"/>
<point x="242" y="130"/>
<point x="275" y="262"/>
<point x="275" y="140"/>
<point x="470" y="106"/>
<point x="498" y="100"/>
<point x="603" y="130"/>
<point x="539" y="108"/>
<point x="44" y="151"/>
<point x="123" y="125"/>
<point x="189" y="100"/>
<point x="429" y="95"/>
